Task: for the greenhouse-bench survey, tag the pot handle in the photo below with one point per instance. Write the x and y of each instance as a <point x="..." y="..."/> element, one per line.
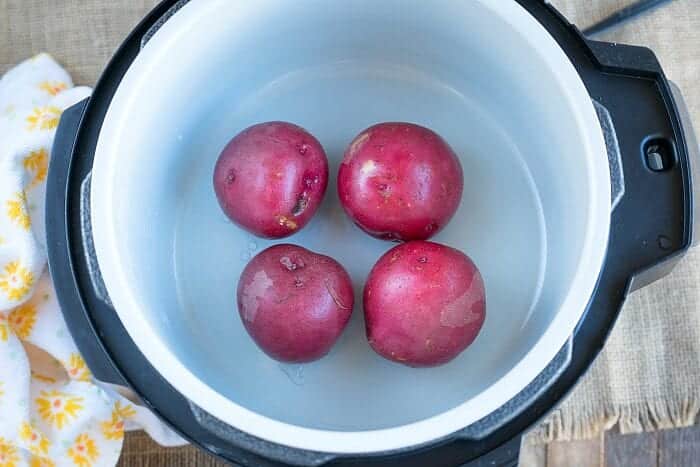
<point x="656" y="141"/>
<point x="688" y="137"/>
<point x="691" y="142"/>
<point x="73" y="309"/>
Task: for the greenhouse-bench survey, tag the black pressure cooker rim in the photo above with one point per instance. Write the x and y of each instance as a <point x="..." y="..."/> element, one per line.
<point x="618" y="77"/>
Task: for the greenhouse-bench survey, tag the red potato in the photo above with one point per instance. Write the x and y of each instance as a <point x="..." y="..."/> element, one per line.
<point x="424" y="304"/>
<point x="400" y="181"/>
<point x="271" y="178"/>
<point x="294" y="303"/>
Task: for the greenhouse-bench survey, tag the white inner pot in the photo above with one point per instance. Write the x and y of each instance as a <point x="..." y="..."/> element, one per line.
<point x="534" y="217"/>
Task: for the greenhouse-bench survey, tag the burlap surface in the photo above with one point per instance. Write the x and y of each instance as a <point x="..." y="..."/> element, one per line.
<point x="648" y="376"/>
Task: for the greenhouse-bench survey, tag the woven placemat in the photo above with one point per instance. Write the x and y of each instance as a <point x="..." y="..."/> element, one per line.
<point x="648" y="376"/>
<point x="141" y="451"/>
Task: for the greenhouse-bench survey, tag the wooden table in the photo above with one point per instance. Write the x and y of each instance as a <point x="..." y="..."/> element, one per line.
<point x="666" y="448"/>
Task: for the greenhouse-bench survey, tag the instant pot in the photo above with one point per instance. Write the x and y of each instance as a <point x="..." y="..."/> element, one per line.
<point x="577" y="160"/>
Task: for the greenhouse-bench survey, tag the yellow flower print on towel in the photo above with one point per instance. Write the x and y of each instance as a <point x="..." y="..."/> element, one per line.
<point x="43" y="118"/>
<point x="22" y="320"/>
<point x="84" y="451"/>
<point x="37" y="164"/>
<point x="53" y="87"/>
<point x="77" y="369"/>
<point x="9" y="457"/>
<point x="35" y="441"/>
<point x="17" y="210"/>
<point x="4" y="328"/>
<point x="114" y="428"/>
<point x="41" y="462"/>
<point x="58" y="408"/>
<point x="16" y="281"/>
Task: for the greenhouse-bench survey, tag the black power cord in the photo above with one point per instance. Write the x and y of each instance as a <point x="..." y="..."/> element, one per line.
<point x="624" y="15"/>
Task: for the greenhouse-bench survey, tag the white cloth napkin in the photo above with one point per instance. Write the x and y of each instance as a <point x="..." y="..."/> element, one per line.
<point x="52" y="412"/>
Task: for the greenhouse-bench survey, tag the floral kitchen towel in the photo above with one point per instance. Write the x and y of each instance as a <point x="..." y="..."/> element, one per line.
<point x="52" y="412"/>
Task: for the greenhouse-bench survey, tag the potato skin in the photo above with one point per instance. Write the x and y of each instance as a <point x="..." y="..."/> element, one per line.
<point x="400" y="181"/>
<point x="294" y="303"/>
<point x="424" y="303"/>
<point x="271" y="178"/>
